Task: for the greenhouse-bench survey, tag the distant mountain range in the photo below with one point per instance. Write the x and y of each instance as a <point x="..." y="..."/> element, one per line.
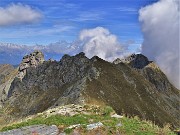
<point x="12" y="53"/>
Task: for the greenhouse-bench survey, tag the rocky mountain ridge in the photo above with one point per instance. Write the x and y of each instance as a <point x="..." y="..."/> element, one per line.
<point x="137" y="87"/>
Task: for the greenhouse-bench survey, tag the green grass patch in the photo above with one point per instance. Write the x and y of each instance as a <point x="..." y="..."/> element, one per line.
<point x="135" y="126"/>
<point x="130" y="126"/>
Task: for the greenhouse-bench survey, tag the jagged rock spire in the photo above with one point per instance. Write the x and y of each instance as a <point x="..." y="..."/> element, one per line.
<point x="32" y="60"/>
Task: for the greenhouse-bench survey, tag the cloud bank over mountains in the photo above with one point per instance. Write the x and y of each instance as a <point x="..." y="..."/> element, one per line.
<point x="13" y="53"/>
<point x="99" y="41"/>
<point x="160" y="27"/>
<point x="18" y="14"/>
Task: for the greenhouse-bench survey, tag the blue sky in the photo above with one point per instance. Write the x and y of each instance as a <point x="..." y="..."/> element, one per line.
<point x="64" y="19"/>
<point x="31" y="22"/>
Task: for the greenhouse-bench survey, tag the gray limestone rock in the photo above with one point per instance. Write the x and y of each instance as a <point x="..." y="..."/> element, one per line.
<point x="32" y="130"/>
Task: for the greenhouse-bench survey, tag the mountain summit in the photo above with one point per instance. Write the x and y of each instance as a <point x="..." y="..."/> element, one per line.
<point x="133" y="86"/>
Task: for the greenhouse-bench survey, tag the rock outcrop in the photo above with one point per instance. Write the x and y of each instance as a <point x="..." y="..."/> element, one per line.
<point x="32" y="60"/>
<point x="127" y="59"/>
<point x="33" y="130"/>
<point x="138" y="61"/>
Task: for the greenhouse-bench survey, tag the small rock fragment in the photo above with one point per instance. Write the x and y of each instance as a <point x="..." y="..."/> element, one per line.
<point x="116" y="116"/>
<point x="94" y="125"/>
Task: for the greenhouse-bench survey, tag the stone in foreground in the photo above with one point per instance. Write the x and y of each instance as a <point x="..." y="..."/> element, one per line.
<point x="33" y="130"/>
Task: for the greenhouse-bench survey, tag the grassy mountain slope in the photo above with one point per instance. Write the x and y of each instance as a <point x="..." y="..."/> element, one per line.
<point x="88" y="115"/>
<point x="129" y="92"/>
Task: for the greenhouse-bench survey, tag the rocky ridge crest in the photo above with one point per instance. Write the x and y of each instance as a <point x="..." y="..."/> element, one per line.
<point x="133" y="86"/>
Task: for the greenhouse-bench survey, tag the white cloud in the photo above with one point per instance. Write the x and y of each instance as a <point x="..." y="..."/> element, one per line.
<point x="89" y="16"/>
<point x="160" y="27"/>
<point x="127" y="10"/>
<point x="99" y="41"/>
<point x="18" y="14"/>
<point x="54" y="30"/>
<point x="21" y="32"/>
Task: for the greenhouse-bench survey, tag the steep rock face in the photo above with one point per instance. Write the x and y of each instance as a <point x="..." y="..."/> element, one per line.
<point x="7" y="74"/>
<point x="148" y="69"/>
<point x="131" y="87"/>
<point x="155" y="76"/>
<point x="5" y="70"/>
<point x="51" y="83"/>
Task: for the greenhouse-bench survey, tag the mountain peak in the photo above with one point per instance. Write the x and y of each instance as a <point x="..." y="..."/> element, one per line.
<point x="81" y="54"/>
<point x="138" y="61"/>
<point x="32" y="60"/>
